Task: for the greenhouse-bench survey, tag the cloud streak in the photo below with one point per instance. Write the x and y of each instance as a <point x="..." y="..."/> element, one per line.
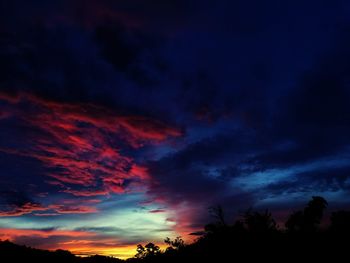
<point x="50" y="210"/>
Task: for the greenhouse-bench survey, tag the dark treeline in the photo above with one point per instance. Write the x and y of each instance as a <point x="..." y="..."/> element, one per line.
<point x="256" y="236"/>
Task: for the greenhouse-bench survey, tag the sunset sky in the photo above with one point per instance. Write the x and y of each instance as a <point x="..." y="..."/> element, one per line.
<point x="123" y="121"/>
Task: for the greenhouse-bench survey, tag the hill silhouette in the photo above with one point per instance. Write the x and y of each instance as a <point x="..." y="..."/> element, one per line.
<point x="10" y="252"/>
<point x="255" y="236"/>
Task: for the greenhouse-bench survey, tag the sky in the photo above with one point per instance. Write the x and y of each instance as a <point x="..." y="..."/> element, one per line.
<point x="122" y="122"/>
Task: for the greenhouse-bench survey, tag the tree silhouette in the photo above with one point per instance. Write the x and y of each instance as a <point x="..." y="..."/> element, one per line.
<point x="259" y="223"/>
<point x="313" y="212"/>
<point x="219" y="225"/>
<point x="141" y="251"/>
<point x="152" y="249"/>
<point x="218" y="213"/>
<point x="295" y="222"/>
<point x="176" y="244"/>
<point x="309" y="219"/>
<point x="147" y="251"/>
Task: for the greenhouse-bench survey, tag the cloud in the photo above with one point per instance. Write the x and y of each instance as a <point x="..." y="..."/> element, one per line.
<point x="50" y="210"/>
<point x="10" y="233"/>
<point x="333" y="179"/>
<point x="88" y="193"/>
<point x="154" y="211"/>
<point x="26" y="208"/>
<point x="84" y="146"/>
<point x="191" y="180"/>
<point x="73" y="209"/>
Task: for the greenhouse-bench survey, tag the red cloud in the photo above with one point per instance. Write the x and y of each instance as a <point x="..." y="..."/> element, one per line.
<point x="146" y="129"/>
<point x="156" y="211"/>
<point x="86" y="192"/>
<point x="139" y="171"/>
<point x="12" y="233"/>
<point x="54" y="209"/>
<point x="74" y="210"/>
<point x="83" y="145"/>
<point x="75" y="201"/>
<point x="10" y="98"/>
<point x="27" y="208"/>
<point x="85" y="149"/>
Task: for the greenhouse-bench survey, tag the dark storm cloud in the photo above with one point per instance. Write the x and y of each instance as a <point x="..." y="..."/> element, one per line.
<point x="186" y="172"/>
<point x="314" y="117"/>
<point x="64" y="61"/>
<point x="67" y="62"/>
<point x="304" y="123"/>
<point x="60" y="63"/>
<point x="196" y="176"/>
<point x="321" y="100"/>
<point x="114" y="47"/>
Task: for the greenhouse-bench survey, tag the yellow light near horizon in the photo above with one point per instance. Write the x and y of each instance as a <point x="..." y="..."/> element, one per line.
<point x="122" y="252"/>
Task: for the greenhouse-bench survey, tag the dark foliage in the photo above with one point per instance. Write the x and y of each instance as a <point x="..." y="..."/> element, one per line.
<point x="309" y="219"/>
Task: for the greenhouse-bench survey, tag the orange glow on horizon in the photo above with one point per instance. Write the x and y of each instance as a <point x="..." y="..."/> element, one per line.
<point x="82" y="243"/>
<point x="122" y="252"/>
